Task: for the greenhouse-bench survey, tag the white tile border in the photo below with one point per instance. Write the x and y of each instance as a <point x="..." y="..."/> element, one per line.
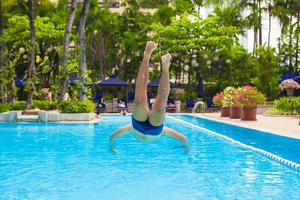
<point x="239" y="123"/>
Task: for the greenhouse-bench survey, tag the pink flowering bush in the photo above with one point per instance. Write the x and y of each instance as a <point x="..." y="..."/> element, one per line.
<point x="249" y="97"/>
<point x="218" y="99"/>
<point x="289" y="83"/>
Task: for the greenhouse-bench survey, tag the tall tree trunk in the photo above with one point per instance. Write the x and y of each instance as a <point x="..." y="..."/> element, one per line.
<point x="31" y="69"/>
<point x="260" y="23"/>
<point x="290" y="53"/>
<point x="270" y="21"/>
<point x="102" y="56"/>
<point x="254" y="28"/>
<point x="63" y="72"/>
<point x="297" y="39"/>
<point x="82" y="51"/>
<point x="2" y="93"/>
<point x="92" y="51"/>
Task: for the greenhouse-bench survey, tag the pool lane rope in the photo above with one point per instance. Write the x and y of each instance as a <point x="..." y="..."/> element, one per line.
<point x="283" y="161"/>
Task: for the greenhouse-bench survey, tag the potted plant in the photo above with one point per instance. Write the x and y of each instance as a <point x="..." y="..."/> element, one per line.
<point x="218" y="100"/>
<point x="289" y="85"/>
<point x="249" y="98"/>
<point x="231" y="100"/>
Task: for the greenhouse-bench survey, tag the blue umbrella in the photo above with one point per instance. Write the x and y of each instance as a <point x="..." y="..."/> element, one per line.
<point x="200" y="87"/>
<point x="113" y="82"/>
<point x="286" y="76"/>
<point x="20" y="81"/>
<point x="297" y="79"/>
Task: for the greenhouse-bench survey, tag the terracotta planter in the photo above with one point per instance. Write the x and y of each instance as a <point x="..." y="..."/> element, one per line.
<point x="235" y="112"/>
<point x="289" y="91"/>
<point x="248" y="114"/>
<point x="225" y="112"/>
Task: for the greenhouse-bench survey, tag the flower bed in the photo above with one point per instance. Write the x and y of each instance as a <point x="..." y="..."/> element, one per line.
<point x="242" y="102"/>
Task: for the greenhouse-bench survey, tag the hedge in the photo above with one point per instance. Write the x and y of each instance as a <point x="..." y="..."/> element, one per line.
<point x="76" y="106"/>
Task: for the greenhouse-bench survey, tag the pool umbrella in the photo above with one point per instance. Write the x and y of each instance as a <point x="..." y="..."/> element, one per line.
<point x="286" y="76"/>
<point x="113" y="82"/>
<point x="20" y="81"/>
<point x="200" y="87"/>
<point x="297" y="79"/>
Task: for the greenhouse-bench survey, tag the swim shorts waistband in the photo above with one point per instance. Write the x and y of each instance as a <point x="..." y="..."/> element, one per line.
<point x="146" y="128"/>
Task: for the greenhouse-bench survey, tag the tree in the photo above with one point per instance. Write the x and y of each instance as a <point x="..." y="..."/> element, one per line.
<point x="31" y="69"/>
<point x="2" y="98"/>
<point x="65" y="55"/>
<point x="104" y="38"/>
<point x="254" y="19"/>
<point x="200" y="47"/>
<point x="270" y="21"/>
<point x="134" y="29"/>
<point x="288" y="13"/>
<point x="267" y="72"/>
<point x="82" y="51"/>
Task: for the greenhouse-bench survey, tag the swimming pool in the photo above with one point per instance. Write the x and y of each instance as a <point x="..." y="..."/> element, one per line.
<point x="72" y="161"/>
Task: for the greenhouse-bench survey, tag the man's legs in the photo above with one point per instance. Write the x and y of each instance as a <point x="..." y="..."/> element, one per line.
<point x="157" y="116"/>
<point x="140" y="106"/>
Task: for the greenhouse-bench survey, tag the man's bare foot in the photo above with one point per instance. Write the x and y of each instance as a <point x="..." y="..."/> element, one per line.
<point x="150" y="47"/>
<point x="166" y="61"/>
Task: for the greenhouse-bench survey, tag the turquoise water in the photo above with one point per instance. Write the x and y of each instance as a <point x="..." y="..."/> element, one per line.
<point x="72" y="161"/>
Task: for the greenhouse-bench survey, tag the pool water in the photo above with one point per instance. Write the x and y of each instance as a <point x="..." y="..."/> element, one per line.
<point x="73" y="161"/>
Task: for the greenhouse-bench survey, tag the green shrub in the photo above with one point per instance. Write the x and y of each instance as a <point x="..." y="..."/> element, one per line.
<point x="44" y="105"/>
<point x="4" y="107"/>
<point x="108" y="96"/>
<point x="267" y="71"/>
<point x="76" y="106"/>
<point x="275" y="111"/>
<point x="287" y="105"/>
<point x="18" y="105"/>
<point x="186" y="95"/>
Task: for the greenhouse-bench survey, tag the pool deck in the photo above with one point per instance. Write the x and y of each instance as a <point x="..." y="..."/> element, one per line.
<point x="285" y="126"/>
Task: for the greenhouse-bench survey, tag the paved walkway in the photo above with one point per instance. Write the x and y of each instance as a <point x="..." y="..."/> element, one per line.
<point x="285" y="126"/>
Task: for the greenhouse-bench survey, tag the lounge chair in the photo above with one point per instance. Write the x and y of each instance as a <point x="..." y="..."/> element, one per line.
<point x="210" y="105"/>
<point x="190" y="104"/>
<point x="171" y="107"/>
<point x="122" y="106"/>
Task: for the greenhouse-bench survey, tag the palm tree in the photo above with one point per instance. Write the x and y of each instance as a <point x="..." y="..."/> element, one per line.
<point x="270" y="21"/>
<point x="287" y="11"/>
<point x="297" y="35"/>
<point x="82" y="51"/>
<point x="65" y="55"/>
<point x="31" y="68"/>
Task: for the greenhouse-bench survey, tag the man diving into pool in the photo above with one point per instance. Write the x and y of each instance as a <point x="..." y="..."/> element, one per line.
<point x="149" y="125"/>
